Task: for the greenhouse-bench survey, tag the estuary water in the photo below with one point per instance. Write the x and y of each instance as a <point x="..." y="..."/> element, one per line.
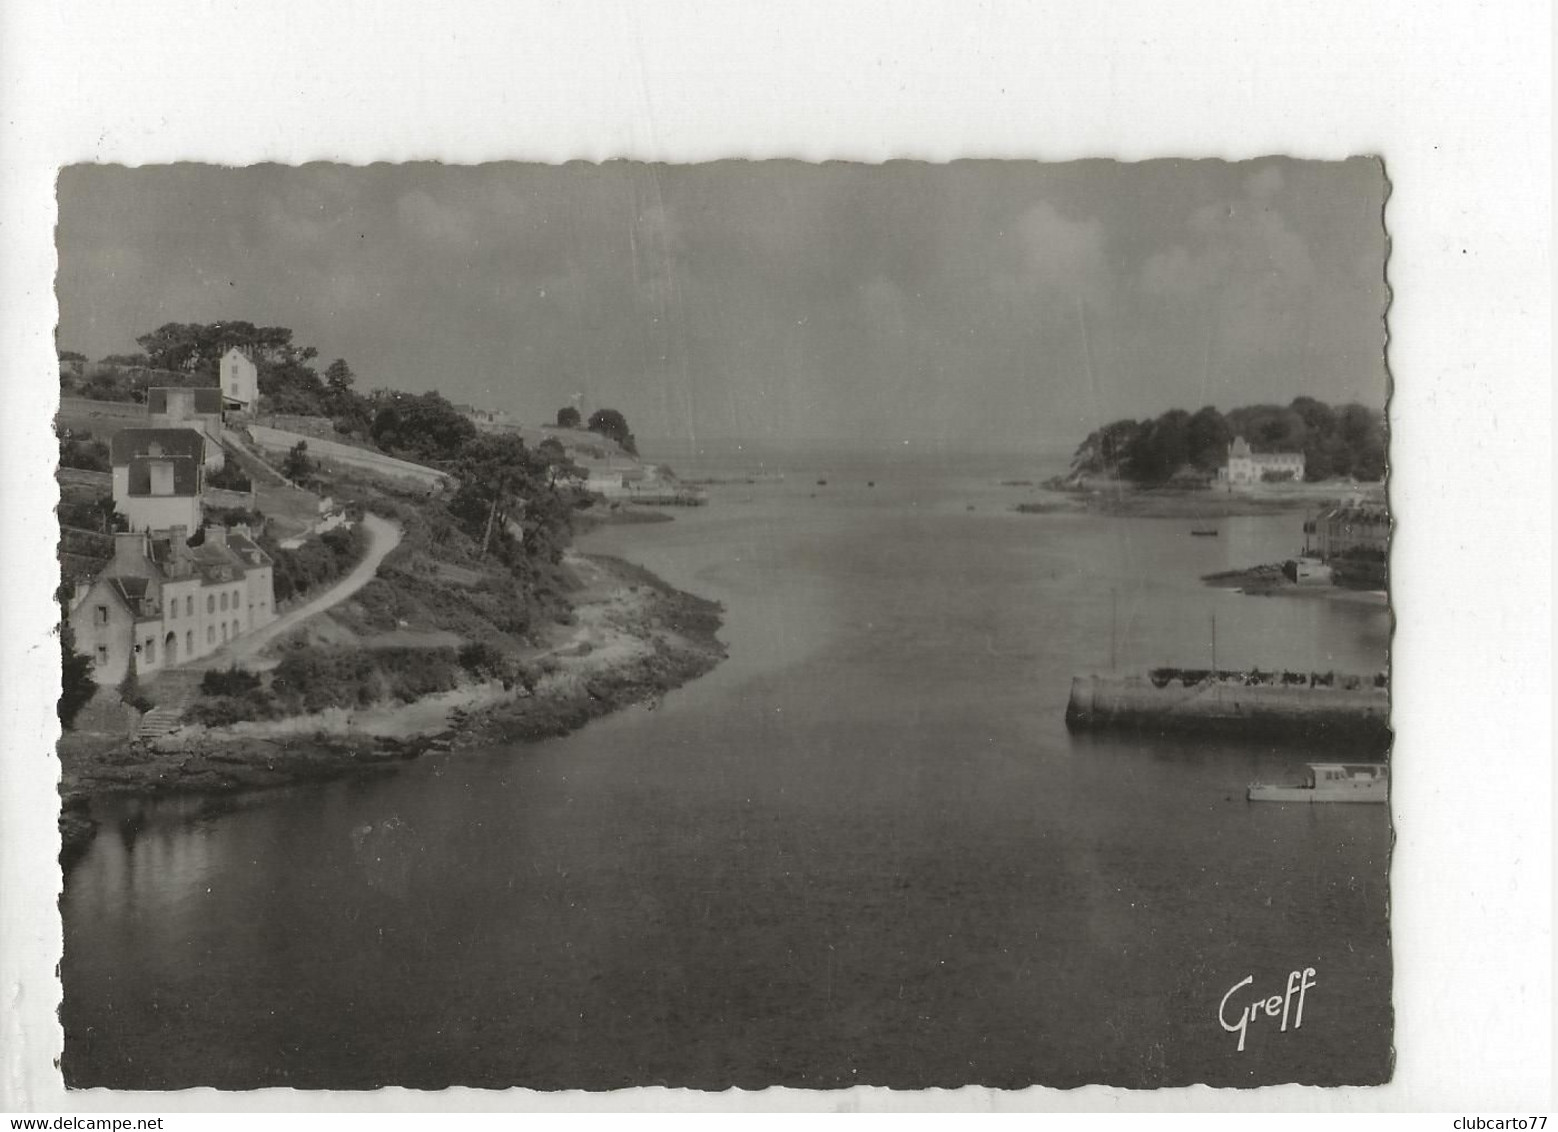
<point x="863" y="850"/>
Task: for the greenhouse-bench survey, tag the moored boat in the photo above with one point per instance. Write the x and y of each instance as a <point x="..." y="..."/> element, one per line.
<point x="1330" y="782"/>
<point x="1204" y="532"/>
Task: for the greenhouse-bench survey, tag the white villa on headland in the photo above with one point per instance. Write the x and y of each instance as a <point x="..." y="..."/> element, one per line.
<point x="1246" y="466"/>
<point x="158" y="475"/>
<point x="240" y="381"/>
<point x="165" y="602"/>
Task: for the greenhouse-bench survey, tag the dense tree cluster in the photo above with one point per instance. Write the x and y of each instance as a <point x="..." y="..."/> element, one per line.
<point x="509" y="501"/>
<point x="1347" y="441"/>
<point x="610" y="423"/>
<point x="423" y="427"/>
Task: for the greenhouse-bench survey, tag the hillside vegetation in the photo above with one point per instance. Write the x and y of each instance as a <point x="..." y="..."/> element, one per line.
<point x="1344" y="441"/>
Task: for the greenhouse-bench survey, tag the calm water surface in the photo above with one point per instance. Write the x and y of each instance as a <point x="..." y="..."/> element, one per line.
<point x="864" y="850"/>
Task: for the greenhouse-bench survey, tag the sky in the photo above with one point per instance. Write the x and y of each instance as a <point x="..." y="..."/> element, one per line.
<point x="991" y="304"/>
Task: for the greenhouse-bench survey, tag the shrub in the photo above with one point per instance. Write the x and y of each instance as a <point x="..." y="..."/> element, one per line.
<point x="230" y="477"/>
<point x="233" y="681"/>
<point x="481" y="659"/>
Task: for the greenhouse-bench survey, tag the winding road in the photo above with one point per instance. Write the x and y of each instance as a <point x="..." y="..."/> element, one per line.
<point x="383" y="537"/>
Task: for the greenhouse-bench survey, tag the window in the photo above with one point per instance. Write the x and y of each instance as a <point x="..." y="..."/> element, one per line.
<point x="189" y="606"/>
<point x="102" y="615"/>
<point x="224" y="630"/>
<point x="151" y="650"/>
<point x="224" y="599"/>
<point x="210" y="634"/>
<point x="102" y="655"/>
<point x="210" y="603"/>
<point x="189" y="642"/>
<point x="173" y="610"/>
<point x="236" y="629"/>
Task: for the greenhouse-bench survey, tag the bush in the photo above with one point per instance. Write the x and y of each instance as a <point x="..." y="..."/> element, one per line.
<point x="84" y="452"/>
<point x="316" y="679"/>
<point x="233" y="681"/>
<point x="481" y="659"/>
<point x="230" y="477"/>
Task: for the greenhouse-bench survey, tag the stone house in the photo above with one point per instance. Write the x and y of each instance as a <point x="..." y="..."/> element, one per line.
<point x="1246" y="466"/>
<point x="198" y="408"/>
<point x="165" y="602"/>
<point x="158" y="475"/>
<point x="1348" y="528"/>
<point x="240" y="381"/>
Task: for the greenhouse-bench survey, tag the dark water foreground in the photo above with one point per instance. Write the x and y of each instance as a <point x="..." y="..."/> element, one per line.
<point x="863" y="850"/>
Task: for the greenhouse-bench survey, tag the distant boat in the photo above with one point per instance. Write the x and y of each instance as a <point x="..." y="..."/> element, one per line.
<point x="1330" y="782"/>
<point x="1204" y="532"/>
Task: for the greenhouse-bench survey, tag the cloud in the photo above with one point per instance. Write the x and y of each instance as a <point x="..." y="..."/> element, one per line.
<point x="1243" y="266"/>
<point x="1058" y="252"/>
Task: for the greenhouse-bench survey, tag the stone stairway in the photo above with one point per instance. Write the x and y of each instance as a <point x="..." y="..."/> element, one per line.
<point x="172" y="692"/>
<point x="158" y="722"/>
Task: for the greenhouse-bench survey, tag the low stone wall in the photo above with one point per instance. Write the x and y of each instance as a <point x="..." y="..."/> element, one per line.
<point x="1137" y="703"/>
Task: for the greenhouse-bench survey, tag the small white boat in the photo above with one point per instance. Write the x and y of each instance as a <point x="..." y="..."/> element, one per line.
<point x="1331" y="782"/>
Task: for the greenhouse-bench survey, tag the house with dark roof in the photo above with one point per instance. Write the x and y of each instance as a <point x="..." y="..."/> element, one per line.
<point x="199" y="408"/>
<point x="158" y="475"/>
<point x="163" y="602"/>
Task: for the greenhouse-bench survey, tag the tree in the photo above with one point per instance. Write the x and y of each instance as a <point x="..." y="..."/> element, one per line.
<point x="500" y="480"/>
<point x="1104" y="449"/>
<point x="1160" y="449"/>
<point x="130" y="686"/>
<point x="424" y="427"/>
<point x="568" y="417"/>
<point x="1208" y="437"/>
<point x="610" y="423"/>
<point x="76" y="684"/>
<point x="339" y="379"/>
<point x="297" y="466"/>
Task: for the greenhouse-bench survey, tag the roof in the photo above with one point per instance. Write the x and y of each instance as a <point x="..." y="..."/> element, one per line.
<point x="1240" y="447"/>
<point x="248" y="550"/>
<point x="132" y="589"/>
<point x="129" y="442"/>
<point x="186" y="474"/>
<point x="208" y="399"/>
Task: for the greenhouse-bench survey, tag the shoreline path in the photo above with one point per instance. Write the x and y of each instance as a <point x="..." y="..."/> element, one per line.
<point x="383" y="537"/>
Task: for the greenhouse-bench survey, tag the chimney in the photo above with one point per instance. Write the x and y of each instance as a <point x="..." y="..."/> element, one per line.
<point x="130" y="553"/>
<point x="216" y="534"/>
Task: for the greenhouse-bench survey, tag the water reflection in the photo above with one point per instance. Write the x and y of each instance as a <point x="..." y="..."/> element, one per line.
<point x="863" y="850"/>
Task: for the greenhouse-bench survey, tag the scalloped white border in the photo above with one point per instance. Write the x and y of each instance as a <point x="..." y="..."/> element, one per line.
<point x="1454" y="95"/>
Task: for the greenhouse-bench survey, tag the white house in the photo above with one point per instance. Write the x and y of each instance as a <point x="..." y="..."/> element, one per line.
<point x="1246" y="466"/>
<point x="158" y="475"/>
<point x="240" y="381"/>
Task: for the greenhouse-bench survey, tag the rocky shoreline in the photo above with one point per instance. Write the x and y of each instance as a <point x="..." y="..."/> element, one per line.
<point x="672" y="640"/>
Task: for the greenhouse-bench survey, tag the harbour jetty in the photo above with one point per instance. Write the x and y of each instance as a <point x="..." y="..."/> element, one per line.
<point x="1296" y="704"/>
